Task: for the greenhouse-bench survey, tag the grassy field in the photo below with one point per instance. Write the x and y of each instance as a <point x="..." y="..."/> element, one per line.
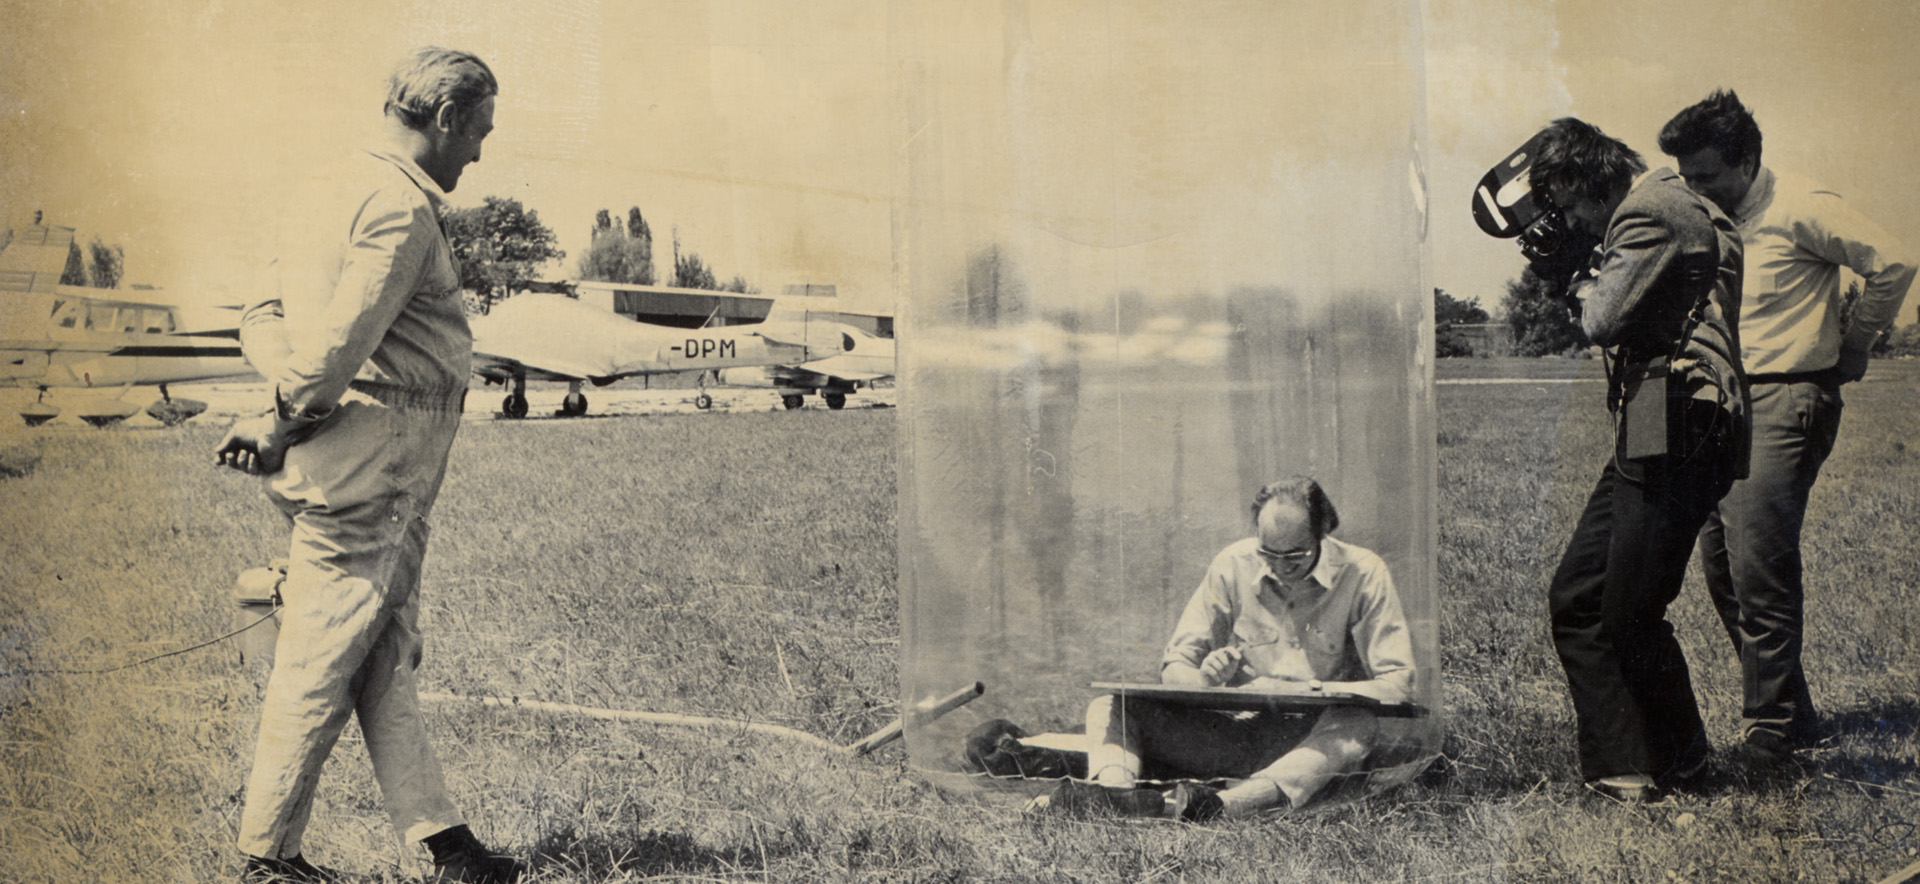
<point x="741" y="566"/>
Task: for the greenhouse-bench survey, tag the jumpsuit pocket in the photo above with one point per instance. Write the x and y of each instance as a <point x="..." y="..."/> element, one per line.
<point x="344" y="464"/>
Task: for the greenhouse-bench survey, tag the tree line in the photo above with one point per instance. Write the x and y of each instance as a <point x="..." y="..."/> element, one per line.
<point x="500" y="244"/>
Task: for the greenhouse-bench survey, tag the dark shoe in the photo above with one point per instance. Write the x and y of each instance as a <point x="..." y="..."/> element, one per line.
<point x="1195" y="803"/>
<point x="1764" y="755"/>
<point x="460" y="858"/>
<point x="1689" y="774"/>
<point x="1766" y="747"/>
<point x="995" y="748"/>
<point x="1078" y="800"/>
<point x="1627" y="788"/>
<point x="291" y="870"/>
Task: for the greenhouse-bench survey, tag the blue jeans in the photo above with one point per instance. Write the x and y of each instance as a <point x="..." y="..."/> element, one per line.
<point x="1750" y="552"/>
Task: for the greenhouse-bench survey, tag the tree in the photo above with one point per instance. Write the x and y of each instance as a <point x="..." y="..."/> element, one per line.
<point x="498" y="245"/>
<point x="1447" y="312"/>
<point x="618" y="255"/>
<point x="1903" y="342"/>
<point x="689" y="272"/>
<point x="76" y="271"/>
<point x="106" y="265"/>
<point x="1536" y="309"/>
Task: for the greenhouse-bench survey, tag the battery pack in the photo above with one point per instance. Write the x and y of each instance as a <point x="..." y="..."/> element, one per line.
<point x="257" y="591"/>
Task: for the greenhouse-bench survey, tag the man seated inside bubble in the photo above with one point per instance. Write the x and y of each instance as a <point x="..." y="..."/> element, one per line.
<point x="1291" y="610"/>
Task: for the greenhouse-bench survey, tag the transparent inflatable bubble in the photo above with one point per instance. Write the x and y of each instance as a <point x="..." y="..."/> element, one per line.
<point x="1151" y="257"/>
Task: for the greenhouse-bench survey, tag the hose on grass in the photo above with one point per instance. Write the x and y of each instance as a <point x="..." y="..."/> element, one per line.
<point x="661" y="718"/>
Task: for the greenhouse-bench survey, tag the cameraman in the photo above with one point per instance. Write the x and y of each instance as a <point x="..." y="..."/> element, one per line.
<point x="1657" y="294"/>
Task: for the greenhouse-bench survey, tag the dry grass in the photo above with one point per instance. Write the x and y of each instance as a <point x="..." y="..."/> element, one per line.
<point x="741" y="566"/>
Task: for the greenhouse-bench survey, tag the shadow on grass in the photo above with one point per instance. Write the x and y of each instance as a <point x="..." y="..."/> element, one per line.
<point x="1873" y="744"/>
<point x="647" y="854"/>
<point x="1889" y="718"/>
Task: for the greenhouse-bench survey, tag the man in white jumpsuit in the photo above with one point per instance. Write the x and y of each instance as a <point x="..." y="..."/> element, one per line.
<point x="362" y="337"/>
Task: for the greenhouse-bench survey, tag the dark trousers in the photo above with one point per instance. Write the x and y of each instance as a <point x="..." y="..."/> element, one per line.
<point x="1632" y="694"/>
<point x="1750" y="552"/>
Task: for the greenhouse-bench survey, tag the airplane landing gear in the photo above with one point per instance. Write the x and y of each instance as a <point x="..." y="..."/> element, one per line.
<point x="38" y="411"/>
<point x="109" y="415"/>
<point x="515" y="405"/>
<point x="703" y="402"/>
<point x="793" y="400"/>
<point x="173" y="412"/>
<point x="575" y="404"/>
<point x="835" y="401"/>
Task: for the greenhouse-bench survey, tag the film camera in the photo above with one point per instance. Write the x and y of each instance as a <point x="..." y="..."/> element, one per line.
<point x="1506" y="204"/>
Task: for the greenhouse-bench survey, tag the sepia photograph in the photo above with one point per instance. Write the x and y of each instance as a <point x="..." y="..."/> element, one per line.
<point x="899" y="440"/>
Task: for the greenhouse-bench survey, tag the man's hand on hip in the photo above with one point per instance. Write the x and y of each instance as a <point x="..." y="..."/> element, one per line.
<point x="254" y="445"/>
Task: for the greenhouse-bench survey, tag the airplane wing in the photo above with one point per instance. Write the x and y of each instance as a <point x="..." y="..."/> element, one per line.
<point x="556" y="338"/>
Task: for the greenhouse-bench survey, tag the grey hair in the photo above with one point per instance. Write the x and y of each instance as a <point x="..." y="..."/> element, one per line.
<point x="431" y="77"/>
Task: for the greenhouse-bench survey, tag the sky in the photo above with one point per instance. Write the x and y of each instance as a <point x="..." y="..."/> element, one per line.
<point x="772" y="137"/>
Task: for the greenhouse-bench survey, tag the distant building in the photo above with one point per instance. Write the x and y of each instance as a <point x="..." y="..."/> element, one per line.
<point x="1486" y="338"/>
<point x="693" y="308"/>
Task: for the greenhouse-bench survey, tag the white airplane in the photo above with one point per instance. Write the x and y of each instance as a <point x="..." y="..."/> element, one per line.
<point x="554" y="337"/>
<point x="56" y="336"/>
<point x="865" y="361"/>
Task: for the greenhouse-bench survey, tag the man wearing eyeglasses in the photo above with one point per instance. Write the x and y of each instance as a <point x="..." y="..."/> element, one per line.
<point x="1291" y="607"/>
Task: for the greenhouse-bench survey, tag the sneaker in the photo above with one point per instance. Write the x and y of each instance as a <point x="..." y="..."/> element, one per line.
<point x="1195" y="803"/>
<point x="1078" y="800"/>
<point x="1627" y="788"/>
<point x="292" y="870"/>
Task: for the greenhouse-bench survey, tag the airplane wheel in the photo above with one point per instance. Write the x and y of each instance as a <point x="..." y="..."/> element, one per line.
<point x="835" y="401"/>
<point x="792" y="401"/>
<point x="514" y="406"/>
<point x="574" y="405"/>
<point x="37" y="413"/>
<point x="703" y="402"/>
<point x="174" y="412"/>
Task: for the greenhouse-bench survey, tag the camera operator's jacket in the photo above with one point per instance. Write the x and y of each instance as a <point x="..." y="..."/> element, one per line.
<point x="1668" y="267"/>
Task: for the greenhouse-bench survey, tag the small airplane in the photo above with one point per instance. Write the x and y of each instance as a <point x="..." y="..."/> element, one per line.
<point x="56" y="336"/>
<point x="554" y="337"/>
<point x="865" y="361"/>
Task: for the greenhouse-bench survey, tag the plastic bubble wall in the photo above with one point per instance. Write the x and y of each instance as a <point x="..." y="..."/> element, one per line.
<point x="1150" y="257"/>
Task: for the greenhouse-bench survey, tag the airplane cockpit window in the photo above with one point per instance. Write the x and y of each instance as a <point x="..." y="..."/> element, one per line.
<point x="1115" y="334"/>
<point x="126" y="320"/>
<point x="159" y="321"/>
<point x="66" y="314"/>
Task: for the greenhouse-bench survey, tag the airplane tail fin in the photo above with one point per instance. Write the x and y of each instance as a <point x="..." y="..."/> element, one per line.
<point x="31" y="263"/>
